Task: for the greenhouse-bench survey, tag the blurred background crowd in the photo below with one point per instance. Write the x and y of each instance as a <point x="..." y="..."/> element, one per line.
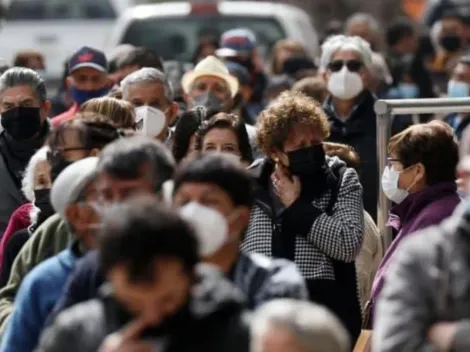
<point x="204" y="176"/>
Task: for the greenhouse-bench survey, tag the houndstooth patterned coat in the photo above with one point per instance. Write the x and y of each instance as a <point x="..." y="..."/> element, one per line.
<point x="338" y="236"/>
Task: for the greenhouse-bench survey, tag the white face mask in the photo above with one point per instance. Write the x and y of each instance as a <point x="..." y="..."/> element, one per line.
<point x="390" y="185"/>
<point x="345" y="84"/>
<point x="150" y="121"/>
<point x="211" y="227"/>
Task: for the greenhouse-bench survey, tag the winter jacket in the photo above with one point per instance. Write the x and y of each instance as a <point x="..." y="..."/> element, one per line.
<point x="18" y="221"/>
<point x="259" y="278"/>
<point x="49" y="239"/>
<point x="360" y="132"/>
<point x="322" y="242"/>
<point x="428" y="282"/>
<point x="369" y="258"/>
<point x="214" y="321"/>
<point x="38" y="294"/>
<point x="418" y="211"/>
<point x="14" y="245"/>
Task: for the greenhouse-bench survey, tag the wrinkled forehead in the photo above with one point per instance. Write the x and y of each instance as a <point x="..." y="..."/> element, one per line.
<point x="19" y="94"/>
<point x="347" y="53"/>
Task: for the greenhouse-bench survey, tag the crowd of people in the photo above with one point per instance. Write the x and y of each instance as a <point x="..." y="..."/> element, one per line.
<point x="232" y="205"/>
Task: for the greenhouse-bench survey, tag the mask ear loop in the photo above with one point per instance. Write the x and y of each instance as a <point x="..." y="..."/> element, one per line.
<point x="414" y="182"/>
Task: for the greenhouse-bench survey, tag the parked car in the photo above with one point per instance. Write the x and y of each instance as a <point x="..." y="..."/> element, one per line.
<point x="173" y="29"/>
<point x="57" y="28"/>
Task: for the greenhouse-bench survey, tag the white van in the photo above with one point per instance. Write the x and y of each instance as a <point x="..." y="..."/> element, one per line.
<point x="173" y="29"/>
<point x="57" y="28"/>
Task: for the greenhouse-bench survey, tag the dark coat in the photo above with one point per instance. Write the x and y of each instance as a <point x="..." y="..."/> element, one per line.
<point x="359" y="131"/>
<point x="214" y="321"/>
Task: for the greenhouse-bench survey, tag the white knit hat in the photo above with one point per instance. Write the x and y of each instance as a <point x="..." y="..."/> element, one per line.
<point x="71" y="182"/>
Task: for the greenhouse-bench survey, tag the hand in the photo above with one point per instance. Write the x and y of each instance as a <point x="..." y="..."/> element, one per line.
<point x="441" y="335"/>
<point x="126" y="340"/>
<point x="286" y="189"/>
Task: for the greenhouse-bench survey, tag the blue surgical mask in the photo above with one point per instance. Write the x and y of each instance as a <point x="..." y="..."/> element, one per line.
<point x="408" y="90"/>
<point x="457" y="89"/>
<point x="81" y="96"/>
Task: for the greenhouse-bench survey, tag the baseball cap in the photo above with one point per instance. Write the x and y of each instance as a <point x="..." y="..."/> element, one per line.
<point x="71" y="183"/>
<point x="88" y="57"/>
<point x="240" y="41"/>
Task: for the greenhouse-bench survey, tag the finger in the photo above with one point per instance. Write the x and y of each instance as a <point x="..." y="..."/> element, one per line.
<point x="137" y="346"/>
<point x="133" y="330"/>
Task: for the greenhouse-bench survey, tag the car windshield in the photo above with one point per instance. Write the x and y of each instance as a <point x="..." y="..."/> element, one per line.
<point x="33" y="10"/>
<point x="176" y="38"/>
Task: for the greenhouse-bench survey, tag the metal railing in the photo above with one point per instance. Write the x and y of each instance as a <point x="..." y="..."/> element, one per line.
<point x="385" y="111"/>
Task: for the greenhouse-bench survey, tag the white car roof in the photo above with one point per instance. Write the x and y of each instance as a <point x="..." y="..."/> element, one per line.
<point x="251" y="8"/>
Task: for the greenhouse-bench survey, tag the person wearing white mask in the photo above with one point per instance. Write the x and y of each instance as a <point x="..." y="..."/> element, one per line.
<point x="215" y="194"/>
<point x="152" y="96"/>
<point x="420" y="180"/>
<point x="347" y="63"/>
<point x="459" y="87"/>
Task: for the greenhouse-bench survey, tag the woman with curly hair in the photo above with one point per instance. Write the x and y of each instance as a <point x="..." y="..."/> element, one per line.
<point x="308" y="206"/>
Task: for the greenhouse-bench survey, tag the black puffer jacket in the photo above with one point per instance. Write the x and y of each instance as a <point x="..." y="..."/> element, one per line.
<point x="216" y="321"/>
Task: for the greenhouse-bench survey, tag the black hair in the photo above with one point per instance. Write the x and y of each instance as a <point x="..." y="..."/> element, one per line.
<point x="186" y="127"/>
<point x="209" y="40"/>
<point x="230" y="122"/>
<point x="221" y="171"/>
<point x="398" y="29"/>
<point x="93" y="131"/>
<point x="142" y="57"/>
<point x="126" y="158"/>
<point x="298" y="63"/>
<point x="140" y="231"/>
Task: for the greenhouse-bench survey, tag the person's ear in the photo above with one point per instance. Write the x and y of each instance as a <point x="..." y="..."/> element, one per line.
<point x="420" y="173"/>
<point x="69" y="82"/>
<point x="95" y="152"/>
<point x="46" y="107"/>
<point x="173" y="112"/>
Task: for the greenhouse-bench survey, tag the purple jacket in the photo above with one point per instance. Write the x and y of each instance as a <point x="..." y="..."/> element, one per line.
<point x="418" y="211"/>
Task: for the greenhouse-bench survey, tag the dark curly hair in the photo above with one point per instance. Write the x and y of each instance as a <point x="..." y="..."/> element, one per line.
<point x="283" y="114"/>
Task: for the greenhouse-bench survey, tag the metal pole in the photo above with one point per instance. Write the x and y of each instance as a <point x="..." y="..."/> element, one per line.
<point x="385" y="110"/>
<point x="384" y="123"/>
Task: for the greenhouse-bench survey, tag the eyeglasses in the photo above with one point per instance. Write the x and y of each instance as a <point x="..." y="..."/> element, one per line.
<point x="352" y="65"/>
<point x="391" y="160"/>
<point x="57" y="152"/>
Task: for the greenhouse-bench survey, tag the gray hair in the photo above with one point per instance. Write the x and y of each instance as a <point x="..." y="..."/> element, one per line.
<point x="363" y="18"/>
<point x="147" y="75"/>
<point x="313" y="326"/>
<point x="341" y="42"/>
<point x="19" y="76"/>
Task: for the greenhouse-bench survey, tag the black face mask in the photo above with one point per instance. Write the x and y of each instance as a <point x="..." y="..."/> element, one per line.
<point x="451" y="42"/>
<point x="58" y="164"/>
<point x="309" y="161"/>
<point x="209" y="101"/>
<point x="43" y="202"/>
<point x="21" y="123"/>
